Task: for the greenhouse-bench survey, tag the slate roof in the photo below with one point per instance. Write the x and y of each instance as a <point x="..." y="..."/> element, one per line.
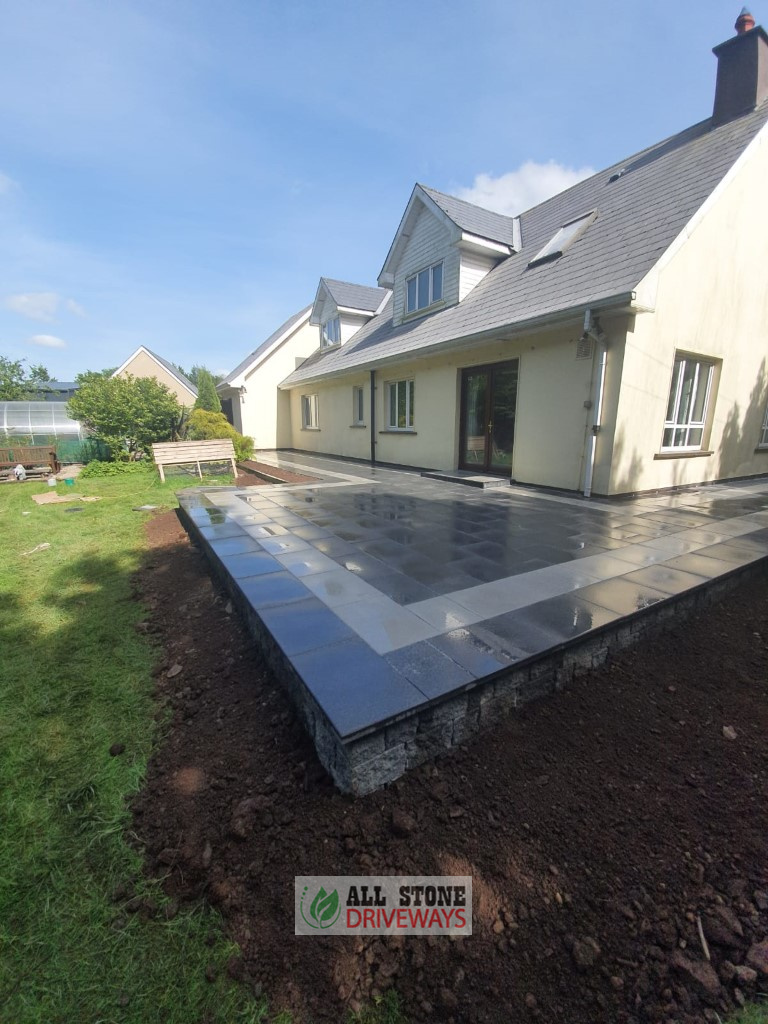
<point x="354" y="296"/>
<point x="290" y="323"/>
<point x="173" y="370"/>
<point x="638" y="216"/>
<point x="474" y="219"/>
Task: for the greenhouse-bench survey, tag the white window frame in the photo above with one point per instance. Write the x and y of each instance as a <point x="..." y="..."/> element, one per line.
<point x="358" y="406"/>
<point x="681" y="425"/>
<point x="330" y="333"/>
<point x="431" y="298"/>
<point x="309" y="412"/>
<point x="763" y="442"/>
<point x="393" y="388"/>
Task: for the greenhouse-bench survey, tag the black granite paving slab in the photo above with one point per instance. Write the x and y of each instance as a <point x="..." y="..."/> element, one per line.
<point x="355" y="687"/>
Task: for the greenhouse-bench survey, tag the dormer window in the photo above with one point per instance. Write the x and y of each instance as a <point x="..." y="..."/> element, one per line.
<point x="424" y="288"/>
<point x="565" y="237"/>
<point x="330" y="333"/>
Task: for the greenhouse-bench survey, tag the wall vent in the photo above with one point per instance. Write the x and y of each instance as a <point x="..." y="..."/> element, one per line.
<point x="584" y="347"/>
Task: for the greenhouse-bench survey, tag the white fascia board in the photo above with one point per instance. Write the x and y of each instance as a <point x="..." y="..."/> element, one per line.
<point x="384" y="301"/>
<point x="386" y="276"/>
<point x="354" y="311"/>
<point x="130" y="359"/>
<point x="647" y="288"/>
<point x="477" y="244"/>
<point x="157" y="362"/>
<point x="321" y="296"/>
<point x="262" y="356"/>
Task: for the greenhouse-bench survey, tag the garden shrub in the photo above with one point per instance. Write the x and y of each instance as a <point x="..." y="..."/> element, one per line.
<point x="207" y="426"/>
<point x="97" y="469"/>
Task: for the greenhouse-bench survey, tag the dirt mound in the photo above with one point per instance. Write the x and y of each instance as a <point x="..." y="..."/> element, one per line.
<point x="606" y="829"/>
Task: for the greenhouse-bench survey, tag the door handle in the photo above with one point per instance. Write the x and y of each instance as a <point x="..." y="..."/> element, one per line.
<point x="490" y="427"/>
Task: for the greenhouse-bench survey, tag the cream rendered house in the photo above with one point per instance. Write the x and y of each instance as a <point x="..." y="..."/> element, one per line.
<point x="143" y="363"/>
<point x="249" y="394"/>
<point x="613" y="339"/>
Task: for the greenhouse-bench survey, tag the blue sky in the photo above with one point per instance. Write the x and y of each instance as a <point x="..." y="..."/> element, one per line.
<point x="180" y="173"/>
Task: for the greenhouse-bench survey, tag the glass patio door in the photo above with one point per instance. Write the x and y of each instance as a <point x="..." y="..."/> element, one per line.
<point x="488" y="401"/>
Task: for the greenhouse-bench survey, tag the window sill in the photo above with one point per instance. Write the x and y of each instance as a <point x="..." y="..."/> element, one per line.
<point x="393" y="430"/>
<point x="761" y="448"/>
<point x="330" y="348"/>
<point x="316" y="429"/>
<point x="357" y="426"/>
<point x="683" y="455"/>
<point x="416" y="313"/>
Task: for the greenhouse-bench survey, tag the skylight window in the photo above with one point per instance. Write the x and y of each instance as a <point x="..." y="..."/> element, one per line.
<point x="565" y="237"/>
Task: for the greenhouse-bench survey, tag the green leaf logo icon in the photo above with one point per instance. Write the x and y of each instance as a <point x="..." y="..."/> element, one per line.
<point x="324" y="910"/>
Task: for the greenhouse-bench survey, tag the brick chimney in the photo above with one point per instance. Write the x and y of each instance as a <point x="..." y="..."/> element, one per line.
<point x="742" y="71"/>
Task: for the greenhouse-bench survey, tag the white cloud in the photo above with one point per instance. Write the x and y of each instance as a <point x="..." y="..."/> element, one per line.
<point x="517" y="191"/>
<point x="6" y="184"/>
<point x="75" y="307"/>
<point x="47" y="341"/>
<point x="35" y="305"/>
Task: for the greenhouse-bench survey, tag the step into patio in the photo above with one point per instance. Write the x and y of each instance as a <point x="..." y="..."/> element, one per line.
<point x="391" y="660"/>
<point x="467" y="478"/>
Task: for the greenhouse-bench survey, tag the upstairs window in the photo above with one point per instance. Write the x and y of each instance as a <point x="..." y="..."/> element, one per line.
<point x="424" y="288"/>
<point x="688" y="404"/>
<point x="309" y="418"/>
<point x="330" y="333"/>
<point x="400" y="405"/>
<point x="566" y="236"/>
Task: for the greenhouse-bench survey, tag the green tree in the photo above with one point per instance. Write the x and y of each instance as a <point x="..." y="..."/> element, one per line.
<point x="193" y="375"/>
<point x="206" y="426"/>
<point x="18" y="381"/>
<point x="207" y="398"/>
<point x="126" y="413"/>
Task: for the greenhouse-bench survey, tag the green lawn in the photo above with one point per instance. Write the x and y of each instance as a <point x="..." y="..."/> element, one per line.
<point x="757" y="1014"/>
<point x="75" y="679"/>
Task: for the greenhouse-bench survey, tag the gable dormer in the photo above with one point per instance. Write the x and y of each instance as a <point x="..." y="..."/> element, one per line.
<point x="340" y="309"/>
<point x="442" y="249"/>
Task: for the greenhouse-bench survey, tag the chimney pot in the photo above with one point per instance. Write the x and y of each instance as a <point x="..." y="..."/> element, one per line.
<point x="745" y="22"/>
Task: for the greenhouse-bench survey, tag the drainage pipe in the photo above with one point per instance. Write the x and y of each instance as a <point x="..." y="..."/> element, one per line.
<point x="373" y="416"/>
<point x="598" y="390"/>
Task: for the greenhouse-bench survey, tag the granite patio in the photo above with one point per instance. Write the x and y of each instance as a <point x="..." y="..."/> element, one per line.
<point x="404" y="612"/>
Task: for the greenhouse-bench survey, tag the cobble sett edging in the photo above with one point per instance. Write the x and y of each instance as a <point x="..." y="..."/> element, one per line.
<point x="367" y="762"/>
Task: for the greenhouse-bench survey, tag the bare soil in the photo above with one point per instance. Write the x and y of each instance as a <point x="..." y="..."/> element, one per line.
<point x="251" y="468"/>
<point x="599" y="826"/>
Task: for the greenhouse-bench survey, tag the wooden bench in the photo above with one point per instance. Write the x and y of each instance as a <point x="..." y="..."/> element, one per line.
<point x="183" y="453"/>
<point x="37" y="459"/>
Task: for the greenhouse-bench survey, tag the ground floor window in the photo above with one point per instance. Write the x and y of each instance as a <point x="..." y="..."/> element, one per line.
<point x="689" y="398"/>
<point x="358" y="406"/>
<point x="400" y="402"/>
<point x="309" y="419"/>
<point x="763" y="443"/>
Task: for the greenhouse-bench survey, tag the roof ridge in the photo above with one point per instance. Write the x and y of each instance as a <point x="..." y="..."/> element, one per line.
<point x="172" y="368"/>
<point x="353" y="284"/>
<point x="624" y="162"/>
<point x="285" y="326"/>
<point x="466" y="202"/>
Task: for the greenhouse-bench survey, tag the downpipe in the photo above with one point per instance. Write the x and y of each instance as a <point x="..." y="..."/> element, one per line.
<point x="373" y="417"/>
<point x="592" y="330"/>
